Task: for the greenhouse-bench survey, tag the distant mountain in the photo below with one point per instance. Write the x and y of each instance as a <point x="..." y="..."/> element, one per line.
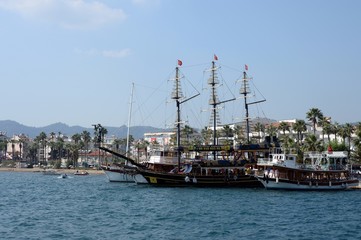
<point x="14" y="128"/>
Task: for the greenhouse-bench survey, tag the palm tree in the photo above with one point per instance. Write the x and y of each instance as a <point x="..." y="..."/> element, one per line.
<point x="287" y="142"/>
<point x="343" y="133"/>
<point x="325" y="123"/>
<point x="327" y="129"/>
<point x="53" y="150"/>
<point x="187" y="131"/>
<point x="52" y="135"/>
<point x="238" y="134"/>
<point x="284" y="127"/>
<point x="312" y="144"/>
<point x="41" y="140"/>
<point x="271" y="131"/>
<point x="13" y="148"/>
<point x="259" y="128"/>
<point x="314" y="115"/>
<point x="227" y="133"/>
<point x="85" y="135"/>
<point x="300" y="128"/>
<point x="356" y="153"/>
<point x="75" y="147"/>
<point x="118" y="142"/>
<point x="3" y="147"/>
<point x="206" y="134"/>
<point x="349" y="129"/>
<point x="335" y="129"/>
<point x="141" y="144"/>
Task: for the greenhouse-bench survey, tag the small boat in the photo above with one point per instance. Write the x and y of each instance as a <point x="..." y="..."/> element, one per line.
<point x="281" y="171"/>
<point x="64" y="175"/>
<point x="81" y="173"/>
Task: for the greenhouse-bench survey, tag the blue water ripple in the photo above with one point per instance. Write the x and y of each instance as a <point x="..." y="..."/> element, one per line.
<point x="34" y="206"/>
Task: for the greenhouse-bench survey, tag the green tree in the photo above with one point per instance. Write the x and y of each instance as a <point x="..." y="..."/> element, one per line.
<point x="227" y="132"/>
<point x="356" y="153"/>
<point x="206" y="134"/>
<point x="85" y="136"/>
<point x="312" y="144"/>
<point x="325" y="124"/>
<point x="299" y="127"/>
<point x="271" y="131"/>
<point x="238" y="134"/>
<point x="287" y="142"/>
<point x="284" y="127"/>
<point x="259" y="128"/>
<point x="41" y="139"/>
<point x="3" y="147"/>
<point x="314" y="115"/>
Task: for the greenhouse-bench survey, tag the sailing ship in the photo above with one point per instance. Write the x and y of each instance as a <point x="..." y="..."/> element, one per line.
<point x="203" y="172"/>
<point x="125" y="172"/>
<point x="317" y="171"/>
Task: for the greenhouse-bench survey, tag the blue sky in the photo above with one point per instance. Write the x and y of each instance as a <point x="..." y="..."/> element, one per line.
<point x="75" y="61"/>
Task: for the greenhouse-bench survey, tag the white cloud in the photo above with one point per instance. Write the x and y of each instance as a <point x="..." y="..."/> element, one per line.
<point x="116" y="54"/>
<point x="105" y="53"/>
<point x="146" y="3"/>
<point x="73" y="14"/>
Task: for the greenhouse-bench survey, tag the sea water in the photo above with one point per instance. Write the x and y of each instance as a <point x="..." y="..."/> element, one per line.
<point x="35" y="206"/>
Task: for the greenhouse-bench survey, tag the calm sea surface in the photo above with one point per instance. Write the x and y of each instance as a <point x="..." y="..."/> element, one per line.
<point x="35" y="206"/>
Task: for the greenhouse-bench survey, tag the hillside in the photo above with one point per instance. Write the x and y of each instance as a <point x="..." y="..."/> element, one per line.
<point x="14" y="128"/>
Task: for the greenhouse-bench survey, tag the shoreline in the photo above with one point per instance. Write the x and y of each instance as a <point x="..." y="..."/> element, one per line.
<point x="37" y="170"/>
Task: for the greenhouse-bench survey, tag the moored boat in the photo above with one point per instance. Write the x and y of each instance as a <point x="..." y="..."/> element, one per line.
<point x="281" y="171"/>
<point x="203" y="172"/>
<point x="119" y="173"/>
<point x="123" y="172"/>
<point x="81" y="173"/>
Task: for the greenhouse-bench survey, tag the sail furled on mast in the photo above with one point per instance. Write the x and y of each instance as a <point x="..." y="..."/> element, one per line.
<point x="213" y="82"/>
<point x="245" y="91"/>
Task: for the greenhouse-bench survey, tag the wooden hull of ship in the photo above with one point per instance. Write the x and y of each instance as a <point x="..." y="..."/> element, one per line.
<point x="181" y="180"/>
<point x="285" y="184"/>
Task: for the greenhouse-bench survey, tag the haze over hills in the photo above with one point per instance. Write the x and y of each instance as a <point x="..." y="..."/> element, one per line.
<point x="11" y="128"/>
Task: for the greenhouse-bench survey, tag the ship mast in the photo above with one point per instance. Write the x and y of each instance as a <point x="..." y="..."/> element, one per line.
<point x="245" y="91"/>
<point x="177" y="95"/>
<point x="129" y="120"/>
<point x="214" y="101"/>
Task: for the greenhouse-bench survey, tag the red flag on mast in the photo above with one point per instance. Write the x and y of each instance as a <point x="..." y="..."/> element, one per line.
<point x="215" y="57"/>
<point x="246" y="67"/>
<point x="180" y="62"/>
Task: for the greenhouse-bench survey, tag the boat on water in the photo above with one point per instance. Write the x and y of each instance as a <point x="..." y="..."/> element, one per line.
<point x="203" y="172"/>
<point x="127" y="173"/>
<point x="64" y="175"/>
<point x="120" y="172"/>
<point x="81" y="173"/>
<point x="280" y="170"/>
